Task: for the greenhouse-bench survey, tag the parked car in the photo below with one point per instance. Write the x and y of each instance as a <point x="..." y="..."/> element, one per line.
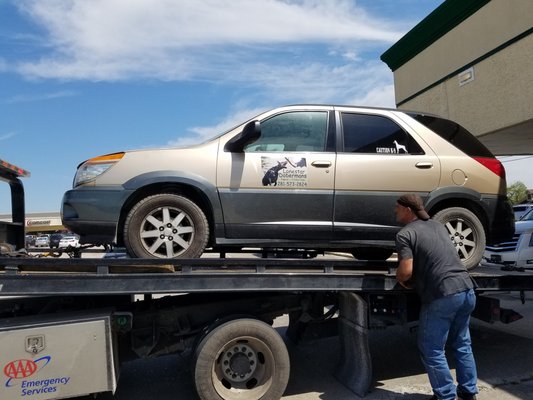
<point x="30" y="240"/>
<point x="306" y="176"/>
<point x="517" y="252"/>
<point x="42" y="241"/>
<point x="69" y="241"/>
<point x="521" y="209"/>
<point x="54" y="239"/>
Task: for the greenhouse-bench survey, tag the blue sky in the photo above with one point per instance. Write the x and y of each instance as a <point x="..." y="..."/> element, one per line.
<point x="81" y="78"/>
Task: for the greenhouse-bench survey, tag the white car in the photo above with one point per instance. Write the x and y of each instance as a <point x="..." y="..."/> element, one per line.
<point x="516" y="253"/>
<point x="69" y="240"/>
<point x="42" y="241"/>
<point x="521" y="209"/>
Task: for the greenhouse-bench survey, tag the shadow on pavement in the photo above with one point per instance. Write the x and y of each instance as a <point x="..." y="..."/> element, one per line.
<point x="504" y="367"/>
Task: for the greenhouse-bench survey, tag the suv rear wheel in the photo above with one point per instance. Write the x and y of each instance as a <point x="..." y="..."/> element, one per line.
<point x="466" y="232"/>
<point x="166" y="226"/>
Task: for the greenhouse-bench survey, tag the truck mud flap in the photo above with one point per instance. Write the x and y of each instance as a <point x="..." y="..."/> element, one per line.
<point x="355" y="364"/>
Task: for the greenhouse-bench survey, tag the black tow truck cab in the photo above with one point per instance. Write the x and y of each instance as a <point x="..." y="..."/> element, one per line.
<point x="220" y="311"/>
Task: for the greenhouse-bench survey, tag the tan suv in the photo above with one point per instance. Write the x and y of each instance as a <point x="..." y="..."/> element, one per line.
<point x="300" y="177"/>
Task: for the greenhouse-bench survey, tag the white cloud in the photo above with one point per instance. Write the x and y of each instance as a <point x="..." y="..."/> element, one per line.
<point x="351" y="55"/>
<point x="26" y="98"/>
<point x="6" y="136"/>
<point x="380" y="96"/>
<point x="201" y="133"/>
<point x="366" y="86"/>
<point x="278" y="51"/>
<point x="187" y="39"/>
<point x="317" y="82"/>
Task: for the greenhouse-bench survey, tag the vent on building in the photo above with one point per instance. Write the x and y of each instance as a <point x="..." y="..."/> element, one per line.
<point x="466" y="76"/>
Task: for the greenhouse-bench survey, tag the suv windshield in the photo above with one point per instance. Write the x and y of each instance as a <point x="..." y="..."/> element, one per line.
<point x="455" y="134"/>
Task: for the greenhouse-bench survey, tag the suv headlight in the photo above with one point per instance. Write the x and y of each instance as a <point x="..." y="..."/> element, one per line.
<point x="94" y="167"/>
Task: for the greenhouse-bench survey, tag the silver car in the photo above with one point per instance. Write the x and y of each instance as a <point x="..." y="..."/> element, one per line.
<point x="521" y="209"/>
<point x="517" y="252"/>
<point x="42" y="241"/>
<point x="305" y="176"/>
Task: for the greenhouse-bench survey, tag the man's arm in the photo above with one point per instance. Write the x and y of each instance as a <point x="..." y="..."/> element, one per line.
<point x="405" y="272"/>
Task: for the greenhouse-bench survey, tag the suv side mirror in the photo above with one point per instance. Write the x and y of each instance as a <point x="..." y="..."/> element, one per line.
<point x="250" y="133"/>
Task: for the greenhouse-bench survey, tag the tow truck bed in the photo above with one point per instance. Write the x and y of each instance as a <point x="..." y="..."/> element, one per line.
<point x="224" y="312"/>
<point x="40" y="276"/>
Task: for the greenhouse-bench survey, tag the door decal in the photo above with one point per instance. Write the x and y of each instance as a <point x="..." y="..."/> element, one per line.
<point x="397" y="149"/>
<point x="284" y="172"/>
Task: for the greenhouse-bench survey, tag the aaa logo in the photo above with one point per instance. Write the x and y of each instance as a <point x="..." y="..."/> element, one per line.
<point x="20" y="369"/>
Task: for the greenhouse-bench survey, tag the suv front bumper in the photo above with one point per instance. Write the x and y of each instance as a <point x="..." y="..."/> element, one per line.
<point x="94" y="213"/>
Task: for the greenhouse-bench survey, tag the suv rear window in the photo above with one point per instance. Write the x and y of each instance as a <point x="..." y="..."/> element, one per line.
<point x="455" y="134"/>
<point x="364" y="133"/>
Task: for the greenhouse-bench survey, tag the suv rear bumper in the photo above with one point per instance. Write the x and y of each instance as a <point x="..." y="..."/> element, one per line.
<point x="500" y="219"/>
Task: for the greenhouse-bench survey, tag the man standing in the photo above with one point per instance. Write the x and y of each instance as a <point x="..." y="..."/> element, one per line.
<point x="429" y="262"/>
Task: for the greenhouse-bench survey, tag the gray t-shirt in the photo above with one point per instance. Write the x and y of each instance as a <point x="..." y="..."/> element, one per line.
<point x="437" y="268"/>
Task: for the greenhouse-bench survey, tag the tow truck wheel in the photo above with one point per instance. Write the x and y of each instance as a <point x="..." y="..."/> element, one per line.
<point x="242" y="359"/>
<point x="166" y="226"/>
<point x="6" y="248"/>
<point x="466" y="232"/>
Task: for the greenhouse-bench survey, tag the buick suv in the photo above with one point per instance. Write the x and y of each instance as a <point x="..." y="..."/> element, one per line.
<point x="319" y="177"/>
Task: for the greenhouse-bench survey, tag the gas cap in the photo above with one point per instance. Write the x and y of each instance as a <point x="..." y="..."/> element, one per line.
<point x="459" y="177"/>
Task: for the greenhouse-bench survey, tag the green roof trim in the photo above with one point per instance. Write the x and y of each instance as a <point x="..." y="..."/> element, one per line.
<point x="442" y="20"/>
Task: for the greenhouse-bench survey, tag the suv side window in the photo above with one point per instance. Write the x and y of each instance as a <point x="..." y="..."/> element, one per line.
<point x="365" y="133"/>
<point x="292" y="131"/>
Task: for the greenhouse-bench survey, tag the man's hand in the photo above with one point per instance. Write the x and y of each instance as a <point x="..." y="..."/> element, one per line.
<point x="404" y="272"/>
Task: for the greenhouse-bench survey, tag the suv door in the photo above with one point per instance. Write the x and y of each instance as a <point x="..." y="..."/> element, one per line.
<point x="281" y="185"/>
<point x="377" y="161"/>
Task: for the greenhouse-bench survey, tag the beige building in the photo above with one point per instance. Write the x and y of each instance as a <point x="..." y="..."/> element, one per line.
<point x="472" y="62"/>
<point x="39" y="222"/>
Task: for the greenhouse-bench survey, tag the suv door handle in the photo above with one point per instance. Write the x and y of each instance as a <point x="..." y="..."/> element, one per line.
<point x="424" y="165"/>
<point x="321" y="164"/>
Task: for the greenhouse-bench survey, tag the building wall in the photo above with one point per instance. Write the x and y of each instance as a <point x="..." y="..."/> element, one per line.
<point x="496" y="42"/>
<point x="499" y="96"/>
<point x="39" y="222"/>
<point x="492" y="26"/>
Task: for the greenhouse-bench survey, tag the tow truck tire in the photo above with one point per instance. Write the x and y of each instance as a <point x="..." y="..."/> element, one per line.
<point x="466" y="232"/>
<point x="242" y="359"/>
<point x="6" y="248"/>
<point x="166" y="226"/>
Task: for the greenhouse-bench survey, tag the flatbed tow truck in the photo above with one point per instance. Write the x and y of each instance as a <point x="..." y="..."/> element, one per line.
<point x="67" y="324"/>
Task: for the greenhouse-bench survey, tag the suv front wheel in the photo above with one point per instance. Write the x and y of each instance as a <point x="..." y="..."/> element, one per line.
<point x="166" y="226"/>
<point x="466" y="232"/>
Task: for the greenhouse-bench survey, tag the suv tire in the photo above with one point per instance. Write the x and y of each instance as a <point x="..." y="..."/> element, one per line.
<point x="166" y="226"/>
<point x="466" y="232"/>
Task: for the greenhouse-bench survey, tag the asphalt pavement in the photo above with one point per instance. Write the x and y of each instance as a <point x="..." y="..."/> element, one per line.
<point x="504" y="356"/>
